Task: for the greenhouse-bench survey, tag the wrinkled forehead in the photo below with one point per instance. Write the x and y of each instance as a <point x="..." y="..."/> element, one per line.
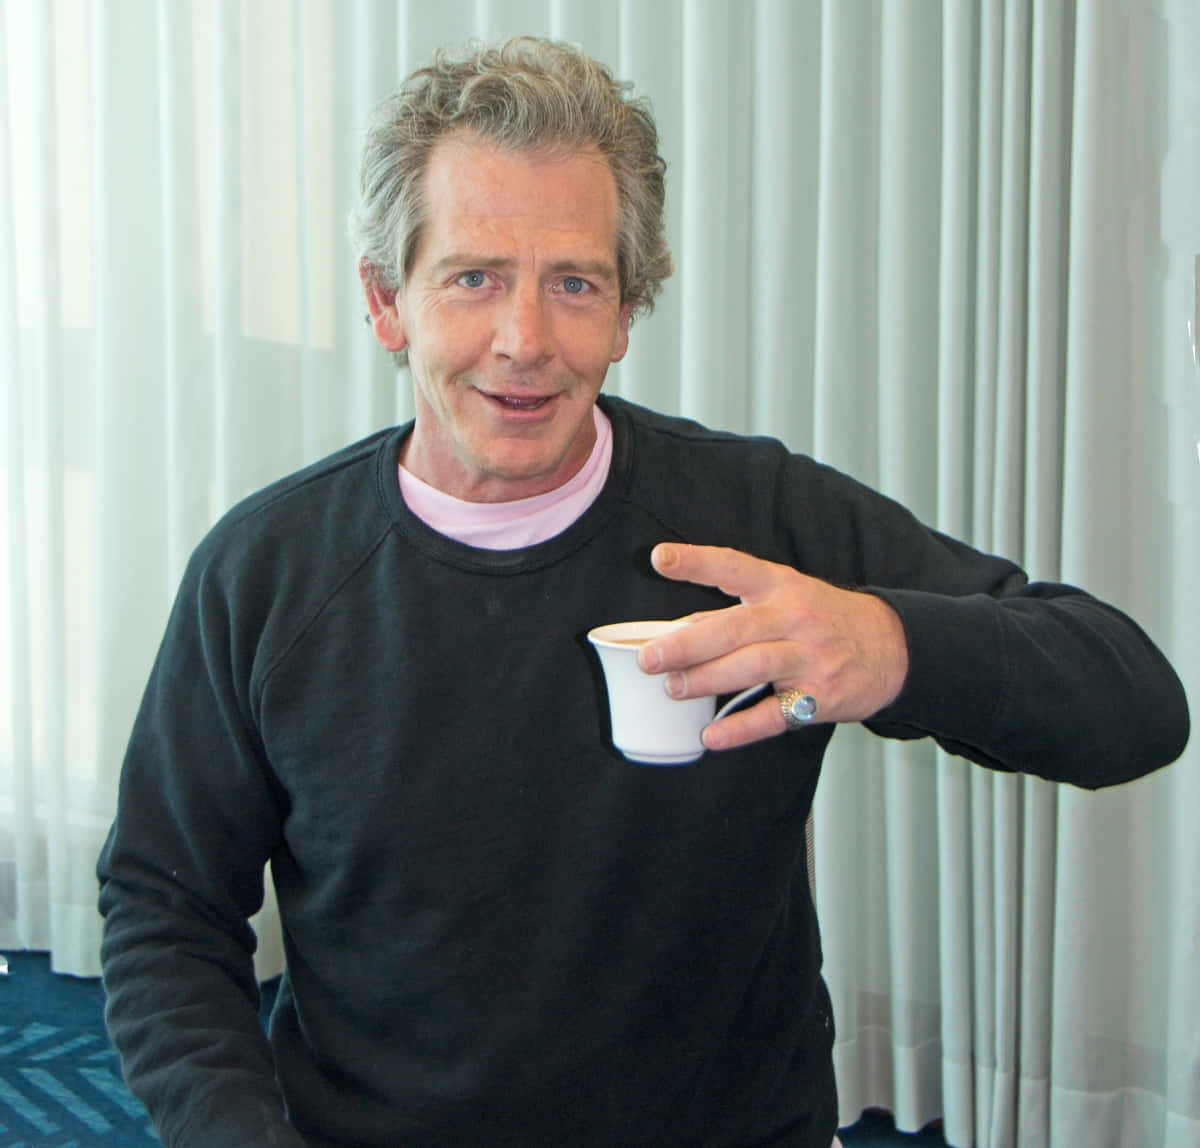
<point x="472" y="185"/>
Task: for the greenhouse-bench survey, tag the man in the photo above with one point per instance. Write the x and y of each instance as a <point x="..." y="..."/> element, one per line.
<point x="497" y="930"/>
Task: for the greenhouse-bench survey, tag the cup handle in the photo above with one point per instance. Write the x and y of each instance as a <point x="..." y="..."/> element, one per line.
<point x="737" y="700"/>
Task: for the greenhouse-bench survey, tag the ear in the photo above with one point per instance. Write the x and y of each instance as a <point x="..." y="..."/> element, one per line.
<point x="621" y="337"/>
<point x="381" y="303"/>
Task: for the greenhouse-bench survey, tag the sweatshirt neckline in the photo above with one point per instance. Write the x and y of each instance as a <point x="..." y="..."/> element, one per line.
<point x="523" y="559"/>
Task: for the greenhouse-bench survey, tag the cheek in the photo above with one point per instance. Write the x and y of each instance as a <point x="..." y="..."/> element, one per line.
<point x="463" y="337"/>
<point x="446" y="348"/>
<point x="592" y="346"/>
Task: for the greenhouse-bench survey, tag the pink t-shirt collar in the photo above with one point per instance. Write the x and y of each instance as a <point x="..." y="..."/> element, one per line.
<point x="524" y="522"/>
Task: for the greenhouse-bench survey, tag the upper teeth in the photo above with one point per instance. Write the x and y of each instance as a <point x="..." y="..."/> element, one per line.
<point x="515" y="401"/>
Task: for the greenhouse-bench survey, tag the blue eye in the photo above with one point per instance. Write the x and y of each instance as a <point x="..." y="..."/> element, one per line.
<point x="472" y="278"/>
<point x="573" y="285"/>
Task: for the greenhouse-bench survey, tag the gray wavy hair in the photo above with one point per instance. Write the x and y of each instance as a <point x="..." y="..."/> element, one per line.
<point x="524" y="94"/>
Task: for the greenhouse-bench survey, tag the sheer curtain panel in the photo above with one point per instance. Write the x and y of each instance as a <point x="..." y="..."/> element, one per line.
<point x="948" y="247"/>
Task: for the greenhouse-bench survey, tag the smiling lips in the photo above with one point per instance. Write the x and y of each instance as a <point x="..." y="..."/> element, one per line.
<point x="520" y="402"/>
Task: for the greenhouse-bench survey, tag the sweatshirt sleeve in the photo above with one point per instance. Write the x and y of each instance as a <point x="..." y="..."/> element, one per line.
<point x="198" y="816"/>
<point x="1043" y="679"/>
<point x="1034" y="677"/>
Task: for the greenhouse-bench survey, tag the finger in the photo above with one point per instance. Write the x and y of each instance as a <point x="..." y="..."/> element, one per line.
<point x="731" y="571"/>
<point x="718" y="634"/>
<point x="746" y="726"/>
<point x="745" y="666"/>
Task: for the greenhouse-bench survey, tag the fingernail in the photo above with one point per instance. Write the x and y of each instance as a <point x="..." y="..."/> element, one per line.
<point x="676" y="684"/>
<point x="649" y="659"/>
<point x="666" y="556"/>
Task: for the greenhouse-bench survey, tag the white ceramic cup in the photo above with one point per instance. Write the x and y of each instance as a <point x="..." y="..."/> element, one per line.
<point x="648" y="725"/>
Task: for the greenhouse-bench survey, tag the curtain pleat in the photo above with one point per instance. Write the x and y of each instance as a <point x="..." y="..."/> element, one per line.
<point x="50" y="513"/>
<point x="715" y="197"/>
<point x="844" y="415"/>
<point x="957" y="166"/>
<point x="1049" y="131"/>
<point x="19" y="864"/>
<point x="950" y="248"/>
<point x="227" y="283"/>
<point x="127" y="514"/>
<point x="786" y="75"/>
<point x="909" y="212"/>
<point x="187" y="361"/>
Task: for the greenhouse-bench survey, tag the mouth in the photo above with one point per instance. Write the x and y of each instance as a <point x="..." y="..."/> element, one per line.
<point x="519" y="402"/>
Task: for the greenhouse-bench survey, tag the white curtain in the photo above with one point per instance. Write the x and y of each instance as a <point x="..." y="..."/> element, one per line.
<point x="950" y="247"/>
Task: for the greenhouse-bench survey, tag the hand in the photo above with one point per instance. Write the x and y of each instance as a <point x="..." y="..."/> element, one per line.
<point x="844" y="647"/>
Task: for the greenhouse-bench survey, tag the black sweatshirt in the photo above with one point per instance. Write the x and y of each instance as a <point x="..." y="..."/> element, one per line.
<point x="497" y="930"/>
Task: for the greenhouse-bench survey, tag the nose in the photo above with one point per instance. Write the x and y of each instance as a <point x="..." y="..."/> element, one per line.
<point x="522" y="327"/>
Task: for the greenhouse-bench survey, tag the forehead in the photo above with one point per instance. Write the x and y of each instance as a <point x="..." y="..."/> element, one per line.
<point x="474" y="189"/>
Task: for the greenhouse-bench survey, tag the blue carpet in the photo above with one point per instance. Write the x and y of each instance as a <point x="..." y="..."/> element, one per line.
<point x="60" y="1083"/>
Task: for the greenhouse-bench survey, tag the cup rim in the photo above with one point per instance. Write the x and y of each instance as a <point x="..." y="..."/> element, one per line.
<point x="618" y="635"/>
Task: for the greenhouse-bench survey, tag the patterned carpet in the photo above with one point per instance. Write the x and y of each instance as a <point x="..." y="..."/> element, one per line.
<point x="61" y="1087"/>
<point x="60" y="1083"/>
